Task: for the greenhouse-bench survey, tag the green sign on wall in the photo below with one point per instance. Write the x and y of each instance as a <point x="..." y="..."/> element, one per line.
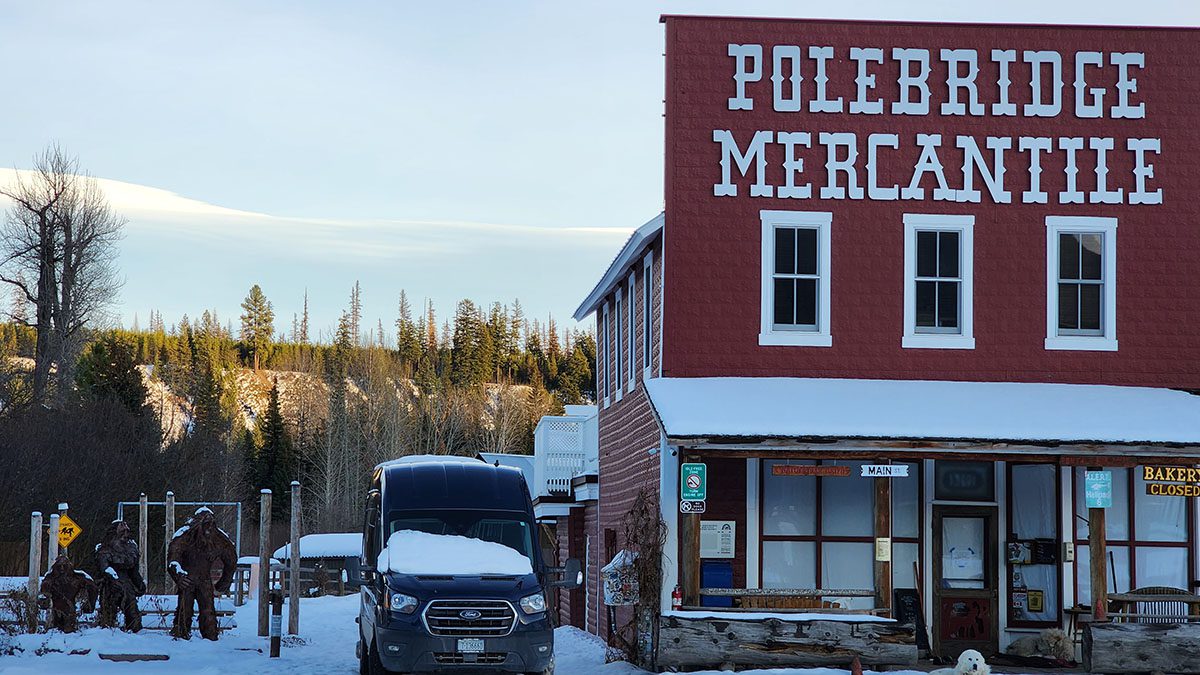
<point x="693" y="482"/>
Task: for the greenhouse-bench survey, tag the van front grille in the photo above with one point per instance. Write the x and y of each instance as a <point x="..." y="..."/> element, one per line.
<point x="470" y="618"/>
<point x="487" y="658"/>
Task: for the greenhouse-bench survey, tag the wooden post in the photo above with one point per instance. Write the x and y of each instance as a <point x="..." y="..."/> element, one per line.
<point x="689" y="554"/>
<point x="52" y="546"/>
<point x="62" y="511"/>
<point x="883" y="542"/>
<point x="264" y="561"/>
<point x="276" y="622"/>
<point x="35" y="566"/>
<point x="294" y="551"/>
<point x="168" y="534"/>
<point x="143" y="536"/>
<point x="1098" y="559"/>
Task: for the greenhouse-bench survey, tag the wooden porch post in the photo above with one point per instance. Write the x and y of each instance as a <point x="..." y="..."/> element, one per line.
<point x="883" y="542"/>
<point x="1098" y="558"/>
<point x="689" y="554"/>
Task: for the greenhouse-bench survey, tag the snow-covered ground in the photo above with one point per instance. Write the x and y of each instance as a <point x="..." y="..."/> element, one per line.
<point x="327" y="630"/>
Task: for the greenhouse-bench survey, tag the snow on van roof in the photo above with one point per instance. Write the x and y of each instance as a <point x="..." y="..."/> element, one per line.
<point x="421" y="553"/>
<point x="429" y="459"/>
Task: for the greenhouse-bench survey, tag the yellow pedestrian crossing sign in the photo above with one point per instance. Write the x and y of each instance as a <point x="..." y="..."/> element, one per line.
<point x="67" y="531"/>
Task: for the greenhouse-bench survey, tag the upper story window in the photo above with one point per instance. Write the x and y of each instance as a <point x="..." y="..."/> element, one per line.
<point x="938" y="281"/>
<point x="602" y="353"/>
<point x="795" y="278"/>
<point x="1081" y="276"/>
<point x="647" y="314"/>
<point x="618" y="342"/>
<point x="631" y="329"/>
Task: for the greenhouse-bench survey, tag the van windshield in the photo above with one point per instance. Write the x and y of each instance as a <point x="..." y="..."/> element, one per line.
<point x="498" y="527"/>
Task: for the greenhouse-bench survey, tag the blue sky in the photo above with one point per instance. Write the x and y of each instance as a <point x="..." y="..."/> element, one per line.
<point x="489" y="150"/>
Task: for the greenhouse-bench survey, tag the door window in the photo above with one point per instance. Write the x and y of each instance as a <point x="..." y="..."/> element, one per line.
<point x="963" y="552"/>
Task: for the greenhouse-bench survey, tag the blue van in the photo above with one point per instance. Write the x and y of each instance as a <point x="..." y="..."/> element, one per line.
<point x="438" y="622"/>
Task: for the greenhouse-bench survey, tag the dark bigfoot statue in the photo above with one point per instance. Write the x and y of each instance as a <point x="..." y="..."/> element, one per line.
<point x="63" y="586"/>
<point x="121" y="583"/>
<point x="196" y="548"/>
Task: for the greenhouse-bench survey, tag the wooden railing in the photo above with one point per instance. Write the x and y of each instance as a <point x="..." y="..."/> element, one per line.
<point x="790" y="599"/>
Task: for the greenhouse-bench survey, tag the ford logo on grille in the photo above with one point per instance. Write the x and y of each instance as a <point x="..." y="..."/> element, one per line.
<point x="470" y="614"/>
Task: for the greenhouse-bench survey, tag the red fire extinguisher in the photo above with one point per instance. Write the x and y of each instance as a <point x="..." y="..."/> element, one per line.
<point x="676" y="598"/>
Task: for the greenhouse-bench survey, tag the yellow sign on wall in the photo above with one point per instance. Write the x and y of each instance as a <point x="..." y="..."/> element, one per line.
<point x="67" y="531"/>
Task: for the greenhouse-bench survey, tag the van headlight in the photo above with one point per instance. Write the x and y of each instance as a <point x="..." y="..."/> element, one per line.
<point x="533" y="604"/>
<point x="399" y="602"/>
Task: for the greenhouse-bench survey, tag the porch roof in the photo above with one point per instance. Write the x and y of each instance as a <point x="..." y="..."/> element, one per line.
<point x="793" y="407"/>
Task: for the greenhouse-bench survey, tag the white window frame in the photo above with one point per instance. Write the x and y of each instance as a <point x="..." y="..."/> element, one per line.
<point x="618" y="362"/>
<point x="964" y="225"/>
<point x="1107" y="340"/>
<point x="647" y="315"/>
<point x="631" y="329"/>
<point x="768" y="335"/>
<point x="603" y="370"/>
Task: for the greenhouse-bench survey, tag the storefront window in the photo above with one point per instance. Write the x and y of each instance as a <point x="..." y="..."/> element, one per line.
<point x="1147" y="537"/>
<point x="829" y="519"/>
<point x="1033" y="547"/>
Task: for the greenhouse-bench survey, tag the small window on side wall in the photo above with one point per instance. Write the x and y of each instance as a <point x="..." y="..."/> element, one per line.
<point x="795" y="278"/>
<point x="1081" y="283"/>
<point x="938" y="281"/>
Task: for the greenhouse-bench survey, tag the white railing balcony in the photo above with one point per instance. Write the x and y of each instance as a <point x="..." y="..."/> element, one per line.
<point x="564" y="447"/>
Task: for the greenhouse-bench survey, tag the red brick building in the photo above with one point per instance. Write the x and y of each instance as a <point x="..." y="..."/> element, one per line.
<point x="964" y="249"/>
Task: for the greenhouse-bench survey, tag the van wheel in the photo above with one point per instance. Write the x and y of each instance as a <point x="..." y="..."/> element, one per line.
<point x="372" y="665"/>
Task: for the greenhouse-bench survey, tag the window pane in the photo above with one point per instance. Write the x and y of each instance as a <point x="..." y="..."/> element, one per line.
<point x="1033" y="501"/>
<point x="785" y="250"/>
<point x="806" y="302"/>
<point x="947" y="308"/>
<point x="789" y="502"/>
<point x="1089" y="306"/>
<point x="847" y="504"/>
<point x="926" y="303"/>
<point x="903" y="557"/>
<point x="1042" y="578"/>
<point x="927" y="254"/>
<point x="1157" y="518"/>
<point x="785" y="301"/>
<point x="948" y="254"/>
<point x="1068" y="256"/>
<point x="1068" y="306"/>
<point x="789" y="564"/>
<point x="906" y="507"/>
<point x="1118" y="566"/>
<point x="1092" y="252"/>
<point x="806" y="251"/>
<point x="964" y="481"/>
<point x="964" y="559"/>
<point x="850" y="566"/>
<point x="1157" y="566"/>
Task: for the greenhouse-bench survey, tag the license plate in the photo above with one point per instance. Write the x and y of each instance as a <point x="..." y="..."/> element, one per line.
<point x="470" y="645"/>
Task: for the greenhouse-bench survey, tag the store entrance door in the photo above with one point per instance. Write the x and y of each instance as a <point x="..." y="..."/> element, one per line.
<point x="965" y="588"/>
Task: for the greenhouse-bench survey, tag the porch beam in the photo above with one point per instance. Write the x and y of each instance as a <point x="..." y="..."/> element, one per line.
<point x="883" y="541"/>
<point x="689" y="543"/>
<point x="1116" y="456"/>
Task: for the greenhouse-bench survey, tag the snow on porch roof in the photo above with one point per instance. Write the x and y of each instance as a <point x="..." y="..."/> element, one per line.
<point x="916" y="409"/>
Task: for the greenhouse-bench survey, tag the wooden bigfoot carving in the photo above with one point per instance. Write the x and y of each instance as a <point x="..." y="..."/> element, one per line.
<point x="121" y="583"/>
<point x="195" y="550"/>
<point x="64" y="585"/>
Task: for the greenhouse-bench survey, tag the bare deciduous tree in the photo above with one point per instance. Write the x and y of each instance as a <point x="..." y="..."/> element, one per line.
<point x="60" y="232"/>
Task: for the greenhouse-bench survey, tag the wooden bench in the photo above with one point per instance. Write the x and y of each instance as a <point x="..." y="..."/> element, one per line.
<point x="789" y="599"/>
<point x="1155" y="604"/>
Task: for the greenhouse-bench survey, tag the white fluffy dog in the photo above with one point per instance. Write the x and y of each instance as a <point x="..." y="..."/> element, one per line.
<point x="970" y="662"/>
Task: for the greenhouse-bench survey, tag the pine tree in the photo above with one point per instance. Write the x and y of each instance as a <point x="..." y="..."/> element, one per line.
<point x="275" y="460"/>
<point x="258" y="324"/>
<point x="356" y="312"/>
<point x="108" y="370"/>
<point x="574" y="377"/>
<point x="408" y="344"/>
<point x="302" y="336"/>
<point x="468" y="365"/>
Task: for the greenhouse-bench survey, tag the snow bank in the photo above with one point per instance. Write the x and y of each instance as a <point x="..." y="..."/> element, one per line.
<point x="412" y="552"/>
<point x="430" y="459"/>
<point x="327" y="545"/>
<point x="844" y="408"/>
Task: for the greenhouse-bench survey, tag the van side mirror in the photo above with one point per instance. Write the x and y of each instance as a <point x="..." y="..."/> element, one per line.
<point x="572" y="574"/>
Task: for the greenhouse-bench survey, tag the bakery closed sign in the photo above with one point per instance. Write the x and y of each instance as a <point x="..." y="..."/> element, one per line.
<point x="1171" y="481"/>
